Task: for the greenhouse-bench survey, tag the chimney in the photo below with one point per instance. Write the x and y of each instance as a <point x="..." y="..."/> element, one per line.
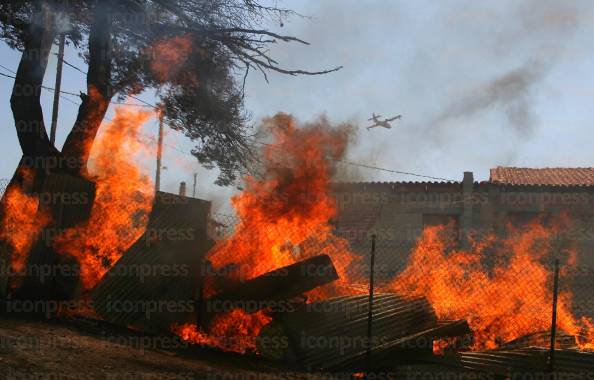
<point x="468" y="182"/>
<point x="182" y="189"/>
<point x="466" y="217"/>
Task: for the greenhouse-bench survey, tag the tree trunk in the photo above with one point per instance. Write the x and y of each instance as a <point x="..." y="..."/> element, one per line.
<point x="26" y="92"/>
<point x="99" y="91"/>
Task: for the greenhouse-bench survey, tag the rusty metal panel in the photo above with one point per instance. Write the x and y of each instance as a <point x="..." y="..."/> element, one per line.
<point x="156" y="282"/>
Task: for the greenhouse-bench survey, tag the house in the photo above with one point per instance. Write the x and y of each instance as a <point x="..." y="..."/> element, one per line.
<point x="397" y="212"/>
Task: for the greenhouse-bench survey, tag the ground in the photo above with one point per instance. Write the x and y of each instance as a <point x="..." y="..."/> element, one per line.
<point x="88" y="349"/>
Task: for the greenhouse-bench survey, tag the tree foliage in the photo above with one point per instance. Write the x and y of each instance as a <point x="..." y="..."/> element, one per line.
<point x="124" y="42"/>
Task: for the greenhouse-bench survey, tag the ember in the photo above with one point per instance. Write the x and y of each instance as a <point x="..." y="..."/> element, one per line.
<point x="235" y="331"/>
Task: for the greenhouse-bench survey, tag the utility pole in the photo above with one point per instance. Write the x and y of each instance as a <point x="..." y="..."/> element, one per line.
<point x="194" y="187"/>
<point x="554" y="317"/>
<point x="159" y="151"/>
<point x="370" y="304"/>
<point x="57" y="86"/>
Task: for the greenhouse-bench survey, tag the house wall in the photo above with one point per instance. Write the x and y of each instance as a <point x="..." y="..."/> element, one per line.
<point x="397" y="213"/>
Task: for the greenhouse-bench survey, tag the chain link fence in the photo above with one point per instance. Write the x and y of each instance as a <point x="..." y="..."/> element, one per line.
<point x="503" y="286"/>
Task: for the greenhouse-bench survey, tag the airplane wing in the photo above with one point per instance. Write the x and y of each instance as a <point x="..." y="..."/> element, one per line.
<point x="394" y="118"/>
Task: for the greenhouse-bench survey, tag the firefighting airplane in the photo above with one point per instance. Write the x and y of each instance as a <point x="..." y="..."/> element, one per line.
<point x="382" y="123"/>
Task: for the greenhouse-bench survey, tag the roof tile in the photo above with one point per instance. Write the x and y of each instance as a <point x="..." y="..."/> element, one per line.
<point x="543" y="176"/>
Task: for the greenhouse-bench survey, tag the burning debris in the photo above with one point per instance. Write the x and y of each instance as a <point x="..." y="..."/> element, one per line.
<point x="284" y="274"/>
<point x="157" y="280"/>
<point x="471" y="285"/>
<point x="285" y="214"/>
<point x="267" y="290"/>
<point x="64" y="201"/>
<point x="333" y="334"/>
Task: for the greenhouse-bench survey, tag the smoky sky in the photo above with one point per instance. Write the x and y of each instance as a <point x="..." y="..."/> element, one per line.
<point x="476" y="82"/>
<point x="479" y="84"/>
<point x="510" y="94"/>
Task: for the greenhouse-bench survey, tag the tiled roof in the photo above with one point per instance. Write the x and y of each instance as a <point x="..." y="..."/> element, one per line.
<point x="543" y="176"/>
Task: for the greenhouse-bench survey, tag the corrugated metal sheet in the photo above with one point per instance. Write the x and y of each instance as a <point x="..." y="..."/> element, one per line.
<point x="542" y="339"/>
<point x="331" y="334"/>
<point x="431" y="372"/>
<point x="532" y="360"/>
<point x="129" y="297"/>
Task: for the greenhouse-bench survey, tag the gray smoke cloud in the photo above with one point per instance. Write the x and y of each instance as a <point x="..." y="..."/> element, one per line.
<point x="462" y="73"/>
<point x="510" y="93"/>
<point x="536" y="30"/>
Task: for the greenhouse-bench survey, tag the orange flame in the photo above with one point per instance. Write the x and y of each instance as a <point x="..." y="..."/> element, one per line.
<point x="284" y="218"/>
<point x="124" y="196"/>
<point x="21" y="224"/>
<point x="235" y="331"/>
<point x="502" y="301"/>
<point x="285" y="215"/>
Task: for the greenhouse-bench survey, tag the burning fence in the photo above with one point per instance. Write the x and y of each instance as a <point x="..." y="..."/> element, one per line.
<point x="502" y="287"/>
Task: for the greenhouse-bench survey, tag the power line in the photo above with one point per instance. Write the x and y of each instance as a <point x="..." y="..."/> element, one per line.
<point x="395" y="171"/>
<point x="72" y="66"/>
<point x="370" y="166"/>
<point x="147" y="104"/>
<point x="7" y="69"/>
<point x="44" y="87"/>
<point x="253" y="140"/>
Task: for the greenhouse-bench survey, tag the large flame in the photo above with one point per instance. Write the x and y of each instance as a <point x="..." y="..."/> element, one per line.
<point x="285" y="216"/>
<point x="22" y="221"/>
<point x="285" y="213"/>
<point x="124" y="196"/>
<point x="503" y="297"/>
<point x="501" y="286"/>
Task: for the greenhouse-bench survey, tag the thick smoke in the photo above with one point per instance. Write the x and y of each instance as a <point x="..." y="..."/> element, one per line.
<point x="462" y="73"/>
<point x="540" y="29"/>
<point x="510" y="93"/>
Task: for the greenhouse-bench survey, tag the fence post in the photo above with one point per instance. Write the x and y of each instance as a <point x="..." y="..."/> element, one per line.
<point x="370" y="307"/>
<point x="554" y="317"/>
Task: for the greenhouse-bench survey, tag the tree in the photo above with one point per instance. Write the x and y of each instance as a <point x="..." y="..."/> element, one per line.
<point x="125" y="43"/>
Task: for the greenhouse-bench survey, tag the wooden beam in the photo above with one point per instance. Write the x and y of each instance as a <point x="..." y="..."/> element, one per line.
<point x="269" y="289"/>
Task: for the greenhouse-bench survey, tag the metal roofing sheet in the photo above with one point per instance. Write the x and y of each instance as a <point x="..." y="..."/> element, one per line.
<point x="332" y="334"/>
<point x="128" y="296"/>
<point x="522" y="361"/>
